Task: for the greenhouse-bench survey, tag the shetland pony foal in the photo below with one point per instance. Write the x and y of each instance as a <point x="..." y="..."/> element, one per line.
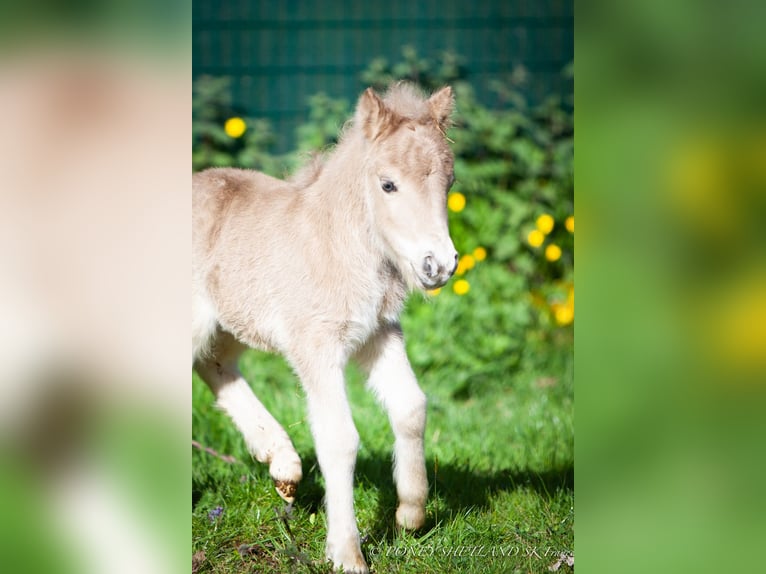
<point x="318" y="268"/>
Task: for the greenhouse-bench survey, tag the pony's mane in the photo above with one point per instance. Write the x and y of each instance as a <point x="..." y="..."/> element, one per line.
<point x="409" y="102"/>
<point x="310" y="171"/>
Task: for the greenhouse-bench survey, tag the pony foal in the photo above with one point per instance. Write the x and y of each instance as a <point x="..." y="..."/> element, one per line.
<point x="318" y="268"/>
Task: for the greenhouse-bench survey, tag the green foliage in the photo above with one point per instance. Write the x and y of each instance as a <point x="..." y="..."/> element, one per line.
<point x="326" y="117"/>
<point x="426" y="73"/>
<point x="213" y="147"/>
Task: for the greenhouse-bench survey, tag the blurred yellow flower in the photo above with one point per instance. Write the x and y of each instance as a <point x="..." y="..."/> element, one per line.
<point x="434" y="292"/>
<point x="456" y="201"/>
<point x="480" y="254"/>
<point x="564" y="315"/>
<point x="535" y="238"/>
<point x="465" y="263"/>
<point x="235" y="127"/>
<point x="553" y="252"/>
<point x="702" y="186"/>
<point x="461" y="287"/>
<point x="545" y="223"/>
<point x="569" y="223"/>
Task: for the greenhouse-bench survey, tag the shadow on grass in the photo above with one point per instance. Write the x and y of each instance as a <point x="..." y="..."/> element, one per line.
<point x="458" y="489"/>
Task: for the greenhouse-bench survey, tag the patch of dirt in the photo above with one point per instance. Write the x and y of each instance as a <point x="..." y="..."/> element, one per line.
<point x="198" y="559"/>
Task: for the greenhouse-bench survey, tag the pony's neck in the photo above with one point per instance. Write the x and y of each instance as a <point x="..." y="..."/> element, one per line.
<point x="339" y="191"/>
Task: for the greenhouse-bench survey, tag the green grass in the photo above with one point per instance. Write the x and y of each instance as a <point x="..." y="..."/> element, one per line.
<point x="500" y="466"/>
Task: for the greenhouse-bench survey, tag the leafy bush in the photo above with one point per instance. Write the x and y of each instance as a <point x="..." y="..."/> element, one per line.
<point x="511" y="306"/>
<point x="213" y="146"/>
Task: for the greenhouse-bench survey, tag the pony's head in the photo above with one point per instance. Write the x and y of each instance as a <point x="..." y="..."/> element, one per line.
<point x="407" y="173"/>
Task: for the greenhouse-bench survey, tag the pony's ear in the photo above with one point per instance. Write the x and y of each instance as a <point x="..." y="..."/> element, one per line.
<point x="442" y="104"/>
<point x="373" y="115"/>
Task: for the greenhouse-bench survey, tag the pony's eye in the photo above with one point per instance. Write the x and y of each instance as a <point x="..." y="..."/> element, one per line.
<point x="388" y="186"/>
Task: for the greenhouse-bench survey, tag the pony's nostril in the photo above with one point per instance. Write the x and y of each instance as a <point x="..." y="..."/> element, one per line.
<point x="429" y="266"/>
<point x="454" y="265"/>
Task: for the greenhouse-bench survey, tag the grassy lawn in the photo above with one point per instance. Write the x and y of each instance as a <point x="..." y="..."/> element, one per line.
<point x="500" y="456"/>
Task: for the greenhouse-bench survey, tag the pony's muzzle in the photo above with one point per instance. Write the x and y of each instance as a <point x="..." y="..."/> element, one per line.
<point x="438" y="273"/>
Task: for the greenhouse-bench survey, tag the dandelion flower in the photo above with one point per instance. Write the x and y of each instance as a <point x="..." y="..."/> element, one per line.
<point x="569" y="224"/>
<point x="461" y="287"/>
<point x="434" y="292"/>
<point x="535" y="238"/>
<point x="467" y="261"/>
<point x="564" y="315"/>
<point x="235" y="127"/>
<point x="545" y="223"/>
<point x="480" y="254"/>
<point x="456" y="202"/>
<point x="553" y="252"/>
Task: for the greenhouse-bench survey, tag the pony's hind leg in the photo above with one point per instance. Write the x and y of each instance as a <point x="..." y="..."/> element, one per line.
<point x="266" y="440"/>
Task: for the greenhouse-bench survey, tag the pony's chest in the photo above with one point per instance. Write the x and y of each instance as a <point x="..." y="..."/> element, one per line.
<point x="391" y="302"/>
<point x="382" y="305"/>
<point x="359" y="326"/>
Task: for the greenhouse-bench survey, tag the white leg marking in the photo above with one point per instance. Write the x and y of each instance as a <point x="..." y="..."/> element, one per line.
<point x="336" y="441"/>
<point x="266" y="440"/>
<point x="394" y="384"/>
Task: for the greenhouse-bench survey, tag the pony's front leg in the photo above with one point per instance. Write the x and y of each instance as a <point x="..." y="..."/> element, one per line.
<point x="336" y="441"/>
<point x="393" y="382"/>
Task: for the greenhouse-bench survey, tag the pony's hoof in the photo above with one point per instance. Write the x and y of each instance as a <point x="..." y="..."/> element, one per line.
<point x="351" y="560"/>
<point x="410" y="516"/>
<point x="286" y="472"/>
<point x="286" y="490"/>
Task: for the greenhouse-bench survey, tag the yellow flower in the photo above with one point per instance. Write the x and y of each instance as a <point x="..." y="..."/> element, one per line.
<point x="569" y="224"/>
<point x="553" y="252"/>
<point x="434" y="292"/>
<point x="235" y="127"/>
<point x="564" y="315"/>
<point x="480" y="254"/>
<point x="535" y="238"/>
<point x="461" y="287"/>
<point x="545" y="223"/>
<point x="456" y="201"/>
<point x="467" y="262"/>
